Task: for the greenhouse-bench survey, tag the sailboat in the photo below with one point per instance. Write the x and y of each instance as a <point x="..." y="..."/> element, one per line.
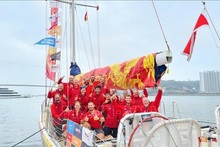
<point x="135" y="129"/>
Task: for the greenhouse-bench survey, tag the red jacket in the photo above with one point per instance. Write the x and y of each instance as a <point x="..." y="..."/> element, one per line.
<point x="110" y="114"/>
<point x="74" y="92"/>
<point x="72" y="116"/>
<point x="138" y="100"/>
<point x="97" y="100"/>
<point x="83" y="99"/>
<point x="95" y="124"/>
<point x="127" y="109"/>
<point x="154" y="105"/>
<point x="57" y="113"/>
<point x="51" y="94"/>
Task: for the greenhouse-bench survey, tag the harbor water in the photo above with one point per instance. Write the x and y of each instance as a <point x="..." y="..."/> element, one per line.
<point x="20" y="117"/>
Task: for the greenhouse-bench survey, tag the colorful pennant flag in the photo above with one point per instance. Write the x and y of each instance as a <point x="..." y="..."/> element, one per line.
<point x="188" y="50"/>
<point x="55" y="56"/>
<point x="47" y="41"/>
<point x="55" y="31"/>
<point x="54" y="11"/>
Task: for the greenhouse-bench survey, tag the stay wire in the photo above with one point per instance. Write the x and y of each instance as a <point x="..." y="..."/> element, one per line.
<point x="83" y="39"/>
<point x="161" y="26"/>
<point x="27" y="137"/>
<point x="212" y="24"/>
<point x="90" y="39"/>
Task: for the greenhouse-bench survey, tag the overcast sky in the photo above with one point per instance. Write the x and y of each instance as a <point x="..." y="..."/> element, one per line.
<point x="127" y="29"/>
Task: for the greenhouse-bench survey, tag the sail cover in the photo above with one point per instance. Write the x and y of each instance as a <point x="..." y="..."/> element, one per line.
<point x="142" y="72"/>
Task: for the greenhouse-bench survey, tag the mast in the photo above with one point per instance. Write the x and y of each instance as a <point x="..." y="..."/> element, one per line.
<point x="72" y="35"/>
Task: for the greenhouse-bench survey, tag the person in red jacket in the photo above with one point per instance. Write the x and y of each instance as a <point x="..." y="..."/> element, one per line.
<point x="97" y="98"/>
<point x="128" y="107"/>
<point x="74" y="92"/>
<point x="94" y="118"/>
<point x="136" y="99"/>
<point x="154" y="105"/>
<point x="83" y="98"/>
<point x="67" y="86"/>
<point x="59" y="90"/>
<point x="109" y="109"/>
<point x="76" y="114"/>
<point x="57" y="115"/>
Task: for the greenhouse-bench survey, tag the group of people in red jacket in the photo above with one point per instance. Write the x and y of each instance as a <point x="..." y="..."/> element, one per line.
<point x="95" y="106"/>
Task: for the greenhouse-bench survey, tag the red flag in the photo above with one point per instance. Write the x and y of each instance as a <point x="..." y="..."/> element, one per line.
<point x="201" y="21"/>
<point x="189" y="47"/>
<point x="54" y="11"/>
<point x="86" y="16"/>
<point x="188" y="50"/>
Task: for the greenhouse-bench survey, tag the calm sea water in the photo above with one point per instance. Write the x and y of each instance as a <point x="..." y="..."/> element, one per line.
<point x="20" y="117"/>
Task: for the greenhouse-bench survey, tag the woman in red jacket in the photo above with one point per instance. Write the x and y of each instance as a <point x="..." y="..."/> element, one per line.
<point x="109" y="109"/>
<point x="76" y="114"/>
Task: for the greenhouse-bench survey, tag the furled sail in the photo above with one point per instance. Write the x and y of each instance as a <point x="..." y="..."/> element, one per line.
<point x="142" y="72"/>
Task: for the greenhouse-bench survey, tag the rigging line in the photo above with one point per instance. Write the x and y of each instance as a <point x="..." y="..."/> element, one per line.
<point x="210" y="19"/>
<point x="160" y="26"/>
<point x="83" y="41"/>
<point x="27" y="137"/>
<point x="215" y="30"/>
<point x="78" y="46"/>
<point x="46" y="50"/>
<point x="24" y="85"/>
<point x="98" y="35"/>
<point x="90" y="40"/>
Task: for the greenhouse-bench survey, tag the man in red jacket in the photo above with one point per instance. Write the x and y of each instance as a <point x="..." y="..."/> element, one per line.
<point x="59" y="90"/>
<point x="109" y="109"/>
<point x="154" y="105"/>
<point x="57" y="114"/>
<point x="136" y="99"/>
<point x="128" y="107"/>
<point x="97" y="98"/>
<point x="94" y="118"/>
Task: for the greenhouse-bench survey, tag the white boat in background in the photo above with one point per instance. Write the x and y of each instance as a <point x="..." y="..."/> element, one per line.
<point x="136" y="129"/>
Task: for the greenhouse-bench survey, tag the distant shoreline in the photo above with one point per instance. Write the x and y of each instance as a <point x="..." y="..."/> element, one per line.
<point x="190" y="94"/>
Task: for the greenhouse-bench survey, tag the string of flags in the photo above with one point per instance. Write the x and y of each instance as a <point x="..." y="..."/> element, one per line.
<point x="53" y="42"/>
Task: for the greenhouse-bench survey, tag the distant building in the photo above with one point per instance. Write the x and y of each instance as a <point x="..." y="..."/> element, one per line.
<point x="209" y="82"/>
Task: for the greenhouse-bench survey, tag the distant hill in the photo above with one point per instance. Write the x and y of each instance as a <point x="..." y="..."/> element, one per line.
<point x="178" y="87"/>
